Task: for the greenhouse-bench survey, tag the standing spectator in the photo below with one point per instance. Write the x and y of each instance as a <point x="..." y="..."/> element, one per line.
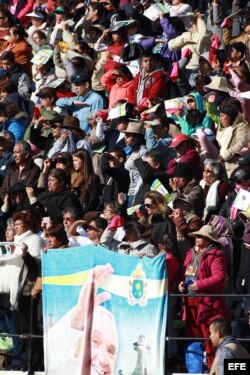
<point x="205" y="268"/>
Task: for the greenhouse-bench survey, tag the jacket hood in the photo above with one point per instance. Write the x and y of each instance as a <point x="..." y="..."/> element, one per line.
<point x="198" y="99"/>
<point x="222" y="226"/>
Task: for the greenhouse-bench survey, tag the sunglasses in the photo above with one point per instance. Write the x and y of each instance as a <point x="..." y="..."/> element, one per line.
<point x="55" y="126"/>
<point x="90" y="227"/>
<point x="148" y="205"/>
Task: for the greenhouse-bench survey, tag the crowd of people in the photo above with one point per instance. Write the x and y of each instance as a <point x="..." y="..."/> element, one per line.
<point x="126" y="125"/>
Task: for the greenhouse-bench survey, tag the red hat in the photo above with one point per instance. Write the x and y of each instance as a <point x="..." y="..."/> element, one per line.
<point x="178" y="139"/>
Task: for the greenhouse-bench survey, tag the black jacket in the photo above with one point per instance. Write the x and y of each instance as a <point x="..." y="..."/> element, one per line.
<point x="117" y="181"/>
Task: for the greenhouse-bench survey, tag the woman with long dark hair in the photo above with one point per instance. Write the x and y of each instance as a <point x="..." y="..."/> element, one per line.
<point x="84" y="182"/>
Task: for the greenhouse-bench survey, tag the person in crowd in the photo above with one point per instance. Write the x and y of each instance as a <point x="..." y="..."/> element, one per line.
<point x="84" y="182"/>
<point x="158" y="138"/>
<point x="149" y="83"/>
<point x="117" y="82"/>
<point x="22" y="169"/>
<point x="85" y="101"/>
<point x="18" y="75"/>
<point x="184" y="186"/>
<point x="151" y="167"/>
<point x="13" y="120"/>
<point x="134" y="140"/>
<point x="215" y="186"/>
<point x="7" y="141"/>
<point x="204" y="272"/>
<point x="155" y="207"/>
<point x="22" y="50"/>
<point x="117" y="177"/>
<point x="58" y="196"/>
<point x="227" y="346"/>
<point x="186" y="153"/>
<point x="232" y="136"/>
<point x="185" y="222"/>
<point x="134" y="244"/>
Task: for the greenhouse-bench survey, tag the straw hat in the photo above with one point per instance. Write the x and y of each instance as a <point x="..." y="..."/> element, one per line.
<point x="134" y="128"/>
<point x="219" y="84"/>
<point x="207" y="231"/>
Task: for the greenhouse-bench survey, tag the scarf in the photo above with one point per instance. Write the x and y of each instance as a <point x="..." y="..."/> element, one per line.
<point x="212" y="197"/>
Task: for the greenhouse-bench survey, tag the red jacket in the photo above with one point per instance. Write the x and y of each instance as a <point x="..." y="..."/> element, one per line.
<point x="153" y="86"/>
<point x="191" y="157"/>
<point x="116" y="49"/>
<point x="211" y="276"/>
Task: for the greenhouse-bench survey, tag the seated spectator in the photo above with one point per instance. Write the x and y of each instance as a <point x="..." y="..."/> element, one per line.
<point x="7" y="142"/>
<point x="113" y="233"/>
<point x="158" y="138"/>
<point x="117" y="177"/>
<point x="186" y="153"/>
<point x="232" y="136"/>
<point x="185" y="222"/>
<point x="84" y="182"/>
<point x="85" y="101"/>
<point x="134" y="244"/>
<point x="58" y="196"/>
<point x="151" y="167"/>
<point x="184" y="186"/>
<point x="215" y="186"/>
<point x="13" y="120"/>
<point x="95" y="230"/>
<point x="56" y="237"/>
<point x="21" y="49"/>
<point x="23" y="169"/>
<point x="155" y="208"/>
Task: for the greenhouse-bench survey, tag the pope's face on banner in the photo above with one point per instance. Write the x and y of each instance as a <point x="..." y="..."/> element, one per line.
<point x="104" y="343"/>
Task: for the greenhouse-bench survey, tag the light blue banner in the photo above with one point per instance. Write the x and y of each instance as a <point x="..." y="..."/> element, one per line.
<point x="104" y="313"/>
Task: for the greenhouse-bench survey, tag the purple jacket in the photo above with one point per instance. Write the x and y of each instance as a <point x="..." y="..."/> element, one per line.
<point x="210" y="279"/>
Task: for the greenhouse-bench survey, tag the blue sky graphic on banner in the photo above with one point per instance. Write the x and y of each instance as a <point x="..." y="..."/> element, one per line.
<point x="126" y="333"/>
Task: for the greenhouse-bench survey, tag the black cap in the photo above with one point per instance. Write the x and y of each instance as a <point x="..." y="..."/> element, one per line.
<point x="80" y="78"/>
<point x="17" y="186"/>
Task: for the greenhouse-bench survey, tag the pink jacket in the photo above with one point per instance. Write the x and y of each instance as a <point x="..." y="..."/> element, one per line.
<point x="116" y="92"/>
<point x="210" y="279"/>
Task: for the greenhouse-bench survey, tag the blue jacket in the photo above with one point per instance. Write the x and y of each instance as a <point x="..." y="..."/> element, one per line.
<point x="160" y="145"/>
<point x="94" y="100"/>
<point x="17" y="127"/>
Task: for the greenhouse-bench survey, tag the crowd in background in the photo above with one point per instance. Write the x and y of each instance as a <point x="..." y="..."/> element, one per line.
<point x="129" y="129"/>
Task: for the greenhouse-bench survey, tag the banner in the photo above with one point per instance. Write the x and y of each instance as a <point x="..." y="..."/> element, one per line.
<point x="104" y="312"/>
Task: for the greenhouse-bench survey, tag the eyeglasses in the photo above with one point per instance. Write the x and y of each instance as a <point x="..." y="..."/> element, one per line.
<point x="208" y="171"/>
<point x="55" y="126"/>
<point x="90" y="227"/>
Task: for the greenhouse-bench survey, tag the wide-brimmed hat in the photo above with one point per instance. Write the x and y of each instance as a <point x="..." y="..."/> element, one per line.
<point x="218" y="84"/>
<point x="71" y="122"/>
<point x="178" y="139"/>
<point x="17" y="186"/>
<point x="244" y="215"/>
<point x="135" y="128"/>
<point x="7" y="139"/>
<point x="183" y="203"/>
<point x="47" y="92"/>
<point x="207" y="231"/>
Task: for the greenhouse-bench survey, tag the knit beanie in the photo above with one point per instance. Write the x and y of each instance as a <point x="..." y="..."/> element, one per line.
<point x="182" y="170"/>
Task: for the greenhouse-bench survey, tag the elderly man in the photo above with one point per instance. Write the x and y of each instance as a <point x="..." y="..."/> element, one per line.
<point x="23" y="169"/>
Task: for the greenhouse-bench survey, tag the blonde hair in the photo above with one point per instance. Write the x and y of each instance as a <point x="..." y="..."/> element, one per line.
<point x="159" y="201"/>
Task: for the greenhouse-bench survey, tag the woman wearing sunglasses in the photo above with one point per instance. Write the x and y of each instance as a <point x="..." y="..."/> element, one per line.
<point x="155" y="208"/>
